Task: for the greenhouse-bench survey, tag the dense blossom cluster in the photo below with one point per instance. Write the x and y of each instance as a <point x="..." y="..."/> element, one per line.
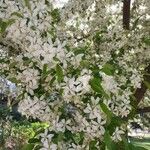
<point x="79" y="89"/>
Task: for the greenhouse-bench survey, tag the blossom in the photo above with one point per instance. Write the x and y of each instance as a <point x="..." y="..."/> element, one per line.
<point x="76" y="147"/>
<point x="46" y="141"/>
<point x="60" y="126"/>
<point x="39" y="37"/>
<point x="37" y="108"/>
<point x="117" y="134"/>
<point x="135" y="79"/>
<point x="109" y="84"/>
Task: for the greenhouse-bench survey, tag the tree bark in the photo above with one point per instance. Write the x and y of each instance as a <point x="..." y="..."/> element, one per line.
<point x="140" y="92"/>
<point x="126" y="14"/>
<point x="143" y="110"/>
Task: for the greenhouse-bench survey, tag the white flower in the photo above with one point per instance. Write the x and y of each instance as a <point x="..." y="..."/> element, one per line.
<point x="135" y="79"/>
<point x="117" y="134"/>
<point x="60" y="126"/>
<point x="35" y="107"/>
<point x="76" y="147"/>
<point x="109" y="84"/>
<point x="46" y="141"/>
<point x="30" y="78"/>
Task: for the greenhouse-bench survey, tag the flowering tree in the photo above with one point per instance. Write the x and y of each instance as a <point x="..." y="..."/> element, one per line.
<point x="79" y="68"/>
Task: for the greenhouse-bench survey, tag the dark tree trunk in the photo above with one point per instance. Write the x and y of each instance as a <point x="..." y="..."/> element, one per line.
<point x="140" y="92"/>
<point x="126" y="14"/>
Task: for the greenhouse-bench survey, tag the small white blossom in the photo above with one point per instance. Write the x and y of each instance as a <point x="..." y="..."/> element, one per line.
<point x="117" y="134"/>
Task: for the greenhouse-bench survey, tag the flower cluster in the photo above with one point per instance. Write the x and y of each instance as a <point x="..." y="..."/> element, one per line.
<point x="82" y="89"/>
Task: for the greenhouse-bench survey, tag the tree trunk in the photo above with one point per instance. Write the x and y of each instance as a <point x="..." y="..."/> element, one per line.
<point x="126" y="14"/>
<point x="140" y="92"/>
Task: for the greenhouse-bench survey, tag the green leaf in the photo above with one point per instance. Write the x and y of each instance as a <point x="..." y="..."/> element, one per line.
<point x="131" y="146"/>
<point x="45" y="68"/>
<point x="92" y="145"/>
<point x="33" y="140"/>
<point x="5" y="23"/>
<point x="78" y="137"/>
<point x="27" y="4"/>
<point x="115" y="122"/>
<point x="17" y="14"/>
<point x="95" y="84"/>
<point x="68" y="135"/>
<point x="55" y="15"/>
<point x="107" y="112"/>
<point x="98" y="37"/>
<point x="140" y="148"/>
<point x="45" y="71"/>
<point x="126" y="144"/>
<point x="147" y="84"/>
<point x="108" y="69"/>
<point x="80" y="50"/>
<point x="146" y="40"/>
<point x="60" y="137"/>
<point x="28" y="147"/>
<point x="135" y="23"/>
<point x="13" y="64"/>
<point x="14" y="80"/>
<point x="59" y="73"/>
<point x="108" y="141"/>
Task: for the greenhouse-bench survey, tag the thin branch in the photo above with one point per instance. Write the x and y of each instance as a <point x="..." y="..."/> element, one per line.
<point x="143" y="110"/>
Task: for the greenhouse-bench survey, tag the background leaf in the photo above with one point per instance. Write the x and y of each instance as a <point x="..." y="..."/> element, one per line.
<point x="59" y="73"/>
<point x="95" y="84"/>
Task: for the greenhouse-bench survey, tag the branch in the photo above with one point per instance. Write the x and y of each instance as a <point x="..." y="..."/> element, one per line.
<point x="140" y="92"/>
<point x="143" y="110"/>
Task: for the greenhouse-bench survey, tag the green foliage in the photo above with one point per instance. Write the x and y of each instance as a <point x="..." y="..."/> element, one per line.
<point x="23" y="133"/>
<point x="97" y="87"/>
<point x="17" y="14"/>
<point x="14" y="80"/>
<point x="146" y="40"/>
<point x="55" y="15"/>
<point x="98" y="38"/>
<point x="110" y="145"/>
<point x="131" y="145"/>
<point x="108" y="69"/>
<point x="78" y="138"/>
<point x="45" y="71"/>
<point x="27" y="4"/>
<point x="112" y="120"/>
<point x="107" y="112"/>
<point x="28" y="147"/>
<point x="115" y="122"/>
<point x="102" y="41"/>
<point x="92" y="145"/>
<point x="59" y="73"/>
<point x="80" y="50"/>
<point x="147" y="84"/>
<point x="4" y="24"/>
